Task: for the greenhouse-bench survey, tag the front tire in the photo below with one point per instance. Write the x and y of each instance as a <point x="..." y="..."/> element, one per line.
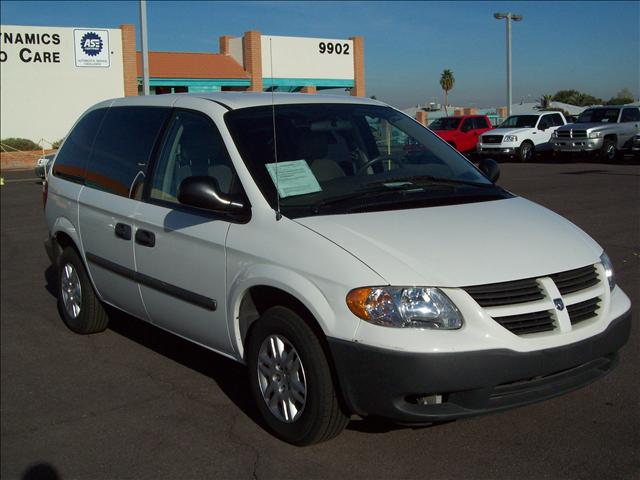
<point x="526" y="152"/>
<point x="291" y="381"/>
<point x="608" y="152"/>
<point x="81" y="309"/>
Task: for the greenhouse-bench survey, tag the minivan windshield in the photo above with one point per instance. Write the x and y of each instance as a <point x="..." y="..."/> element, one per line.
<point x="446" y="123"/>
<point x="520" y="121"/>
<point x="599" y="115"/>
<point x="342" y="158"/>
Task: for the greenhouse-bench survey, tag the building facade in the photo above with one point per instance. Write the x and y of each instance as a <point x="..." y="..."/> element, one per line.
<point x="50" y="75"/>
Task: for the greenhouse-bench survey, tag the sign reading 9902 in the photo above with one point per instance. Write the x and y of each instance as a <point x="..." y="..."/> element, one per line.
<point x="336" y="48"/>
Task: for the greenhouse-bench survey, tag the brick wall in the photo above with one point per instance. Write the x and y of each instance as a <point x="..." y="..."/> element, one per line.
<point x="20" y="160"/>
<point x="308" y="89"/>
<point x="129" y="60"/>
<point x="252" y="51"/>
<point x="224" y="44"/>
<point x="422" y="116"/>
<point x="358" y="67"/>
<point x="470" y="111"/>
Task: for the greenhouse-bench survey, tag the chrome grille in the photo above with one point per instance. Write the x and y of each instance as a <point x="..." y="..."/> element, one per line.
<point x="579" y="312"/>
<point x="571" y="133"/>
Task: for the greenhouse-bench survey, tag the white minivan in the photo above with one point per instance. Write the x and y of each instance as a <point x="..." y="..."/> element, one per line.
<point x="298" y="235"/>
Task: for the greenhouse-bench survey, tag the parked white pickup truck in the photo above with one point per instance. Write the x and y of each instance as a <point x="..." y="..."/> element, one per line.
<point x="521" y="136"/>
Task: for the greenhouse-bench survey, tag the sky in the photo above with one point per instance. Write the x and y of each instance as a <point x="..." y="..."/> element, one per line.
<point x="593" y="47"/>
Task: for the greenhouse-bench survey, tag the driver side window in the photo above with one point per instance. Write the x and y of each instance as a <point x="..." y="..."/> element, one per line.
<point x="193" y="147"/>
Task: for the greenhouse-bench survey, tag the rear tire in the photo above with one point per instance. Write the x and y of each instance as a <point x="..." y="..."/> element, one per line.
<point x="81" y="309"/>
<point x="608" y="152"/>
<point x="526" y="152"/>
<point x="287" y="366"/>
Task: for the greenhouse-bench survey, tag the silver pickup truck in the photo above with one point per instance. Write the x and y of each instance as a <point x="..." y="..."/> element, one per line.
<point x="604" y="130"/>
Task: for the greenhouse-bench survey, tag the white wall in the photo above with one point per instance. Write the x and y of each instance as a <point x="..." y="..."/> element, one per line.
<point x="235" y="50"/>
<point x="44" y="99"/>
<point x="298" y="57"/>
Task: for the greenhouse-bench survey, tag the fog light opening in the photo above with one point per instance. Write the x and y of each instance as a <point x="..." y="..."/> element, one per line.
<point x="427" y="399"/>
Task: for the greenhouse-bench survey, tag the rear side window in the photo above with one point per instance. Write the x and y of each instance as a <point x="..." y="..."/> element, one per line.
<point x="480" y="122"/>
<point x="630" y="115"/>
<point x="74" y="154"/>
<point x="555" y="120"/>
<point x="123" y="148"/>
<point x="467" y="125"/>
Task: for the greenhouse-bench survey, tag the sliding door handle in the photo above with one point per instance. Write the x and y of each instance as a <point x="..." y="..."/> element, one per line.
<point x="123" y="231"/>
<point x="145" y="238"/>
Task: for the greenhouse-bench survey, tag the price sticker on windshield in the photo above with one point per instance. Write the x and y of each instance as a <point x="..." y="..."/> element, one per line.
<point x="293" y="178"/>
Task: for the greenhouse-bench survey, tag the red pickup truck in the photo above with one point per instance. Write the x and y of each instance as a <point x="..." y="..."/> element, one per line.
<point x="461" y="132"/>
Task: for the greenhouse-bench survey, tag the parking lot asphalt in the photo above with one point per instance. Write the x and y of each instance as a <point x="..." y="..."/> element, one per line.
<point x="135" y="402"/>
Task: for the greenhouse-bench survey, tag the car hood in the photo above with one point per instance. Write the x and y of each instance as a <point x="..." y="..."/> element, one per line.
<point x="586" y="126"/>
<point x="506" y="131"/>
<point x="460" y="245"/>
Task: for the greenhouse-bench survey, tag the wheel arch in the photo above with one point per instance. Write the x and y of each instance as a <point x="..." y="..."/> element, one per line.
<point x="65" y="235"/>
<point x="614" y="138"/>
<point x="267" y="286"/>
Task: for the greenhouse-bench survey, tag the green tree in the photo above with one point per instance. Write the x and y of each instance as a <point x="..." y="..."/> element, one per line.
<point x="446" y="82"/>
<point x="625" y="93"/>
<point x="22" y="144"/>
<point x="574" y="97"/>
<point x="623" y="97"/>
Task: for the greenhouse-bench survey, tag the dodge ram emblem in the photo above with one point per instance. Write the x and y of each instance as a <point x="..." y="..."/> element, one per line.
<point x="559" y="303"/>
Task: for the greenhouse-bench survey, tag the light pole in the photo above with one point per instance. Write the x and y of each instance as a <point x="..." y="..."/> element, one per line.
<point x="516" y="18"/>
<point x="145" y="48"/>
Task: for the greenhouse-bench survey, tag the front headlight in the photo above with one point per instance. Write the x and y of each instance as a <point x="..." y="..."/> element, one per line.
<point x="595" y="134"/>
<point x="554" y="134"/>
<point x="510" y="138"/>
<point x="405" y="307"/>
<point x="608" y="269"/>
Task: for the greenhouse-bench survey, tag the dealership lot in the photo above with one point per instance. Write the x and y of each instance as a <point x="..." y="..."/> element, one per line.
<point x="135" y="402"/>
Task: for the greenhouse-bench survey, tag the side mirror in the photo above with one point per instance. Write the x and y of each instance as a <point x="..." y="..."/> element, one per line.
<point x="204" y="192"/>
<point x="542" y="127"/>
<point x="490" y="168"/>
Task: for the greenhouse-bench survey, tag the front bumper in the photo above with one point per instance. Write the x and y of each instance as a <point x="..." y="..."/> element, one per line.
<point x="388" y="383"/>
<point x="577" y="144"/>
<point x="495" y="150"/>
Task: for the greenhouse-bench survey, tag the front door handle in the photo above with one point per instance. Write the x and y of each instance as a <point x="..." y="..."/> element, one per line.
<point x="123" y="231"/>
<point x="145" y="238"/>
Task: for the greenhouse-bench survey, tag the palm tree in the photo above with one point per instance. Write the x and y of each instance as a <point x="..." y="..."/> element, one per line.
<point x="545" y="102"/>
<point x="446" y="82"/>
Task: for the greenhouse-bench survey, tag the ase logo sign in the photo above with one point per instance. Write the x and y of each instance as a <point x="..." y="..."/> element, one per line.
<point x="91" y="48"/>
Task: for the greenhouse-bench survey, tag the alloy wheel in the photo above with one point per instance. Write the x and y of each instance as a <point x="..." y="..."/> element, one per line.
<point x="71" y="290"/>
<point x="281" y="378"/>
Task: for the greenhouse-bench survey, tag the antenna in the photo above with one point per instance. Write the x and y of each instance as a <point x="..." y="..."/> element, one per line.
<point x="275" y="141"/>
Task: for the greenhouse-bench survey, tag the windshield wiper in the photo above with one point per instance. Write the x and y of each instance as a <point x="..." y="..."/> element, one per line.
<point x="426" y="180"/>
<point x="398" y="185"/>
<point x="379" y="189"/>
